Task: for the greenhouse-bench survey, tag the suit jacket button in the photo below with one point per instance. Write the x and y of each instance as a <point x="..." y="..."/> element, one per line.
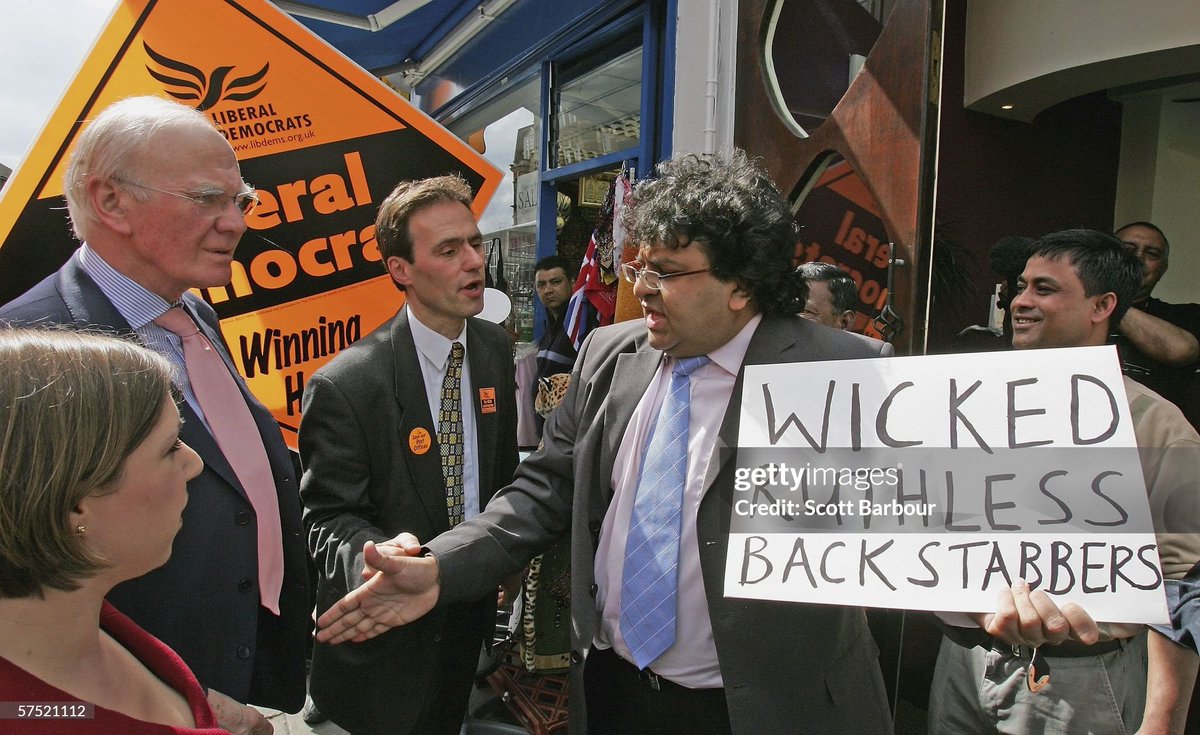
<point x="242" y="518"/>
<point x="595" y="588"/>
<point x="245" y="585"/>
<point x="243" y="652"/>
<point x="576" y="657"/>
<point x="594" y="526"/>
<point x="437" y="637"/>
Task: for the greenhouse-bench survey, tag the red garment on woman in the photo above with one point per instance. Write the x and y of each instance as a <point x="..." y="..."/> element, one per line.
<point x="18" y="685"/>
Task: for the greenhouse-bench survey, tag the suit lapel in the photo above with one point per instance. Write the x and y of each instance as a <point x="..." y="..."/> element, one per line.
<point x="200" y="438"/>
<point x="632" y="374"/>
<point x="86" y="303"/>
<point x="771" y="343"/>
<point x="417" y="428"/>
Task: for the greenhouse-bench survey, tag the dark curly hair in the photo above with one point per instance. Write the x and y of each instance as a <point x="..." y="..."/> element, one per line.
<point x="728" y="204"/>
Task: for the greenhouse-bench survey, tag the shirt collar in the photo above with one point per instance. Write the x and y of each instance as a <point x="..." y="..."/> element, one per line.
<point x="432" y="345"/>
<point x="730" y="356"/>
<point x="137" y="304"/>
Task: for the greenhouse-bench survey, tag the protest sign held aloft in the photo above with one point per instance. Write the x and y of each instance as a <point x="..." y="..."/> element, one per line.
<point x="934" y="482"/>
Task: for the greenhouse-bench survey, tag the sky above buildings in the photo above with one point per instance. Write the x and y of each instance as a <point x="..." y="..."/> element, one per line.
<point x="42" y="45"/>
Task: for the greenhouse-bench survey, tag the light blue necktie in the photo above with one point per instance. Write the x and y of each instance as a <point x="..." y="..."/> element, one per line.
<point x="650" y="577"/>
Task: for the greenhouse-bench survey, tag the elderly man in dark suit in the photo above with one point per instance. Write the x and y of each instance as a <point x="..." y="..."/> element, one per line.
<point x="412" y="429"/>
<point x="715" y="281"/>
<point x="156" y="194"/>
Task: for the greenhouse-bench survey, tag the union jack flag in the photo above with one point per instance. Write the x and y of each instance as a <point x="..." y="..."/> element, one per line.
<point x="596" y="286"/>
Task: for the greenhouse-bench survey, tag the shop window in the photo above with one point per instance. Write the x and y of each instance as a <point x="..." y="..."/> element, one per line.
<point x="598" y="112"/>
<point x="841" y="224"/>
<point x="506" y="130"/>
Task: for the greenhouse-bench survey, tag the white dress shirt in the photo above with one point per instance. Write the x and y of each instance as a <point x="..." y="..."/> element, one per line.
<point x="433" y="351"/>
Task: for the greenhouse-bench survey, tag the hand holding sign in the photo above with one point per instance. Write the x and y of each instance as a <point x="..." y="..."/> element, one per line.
<point x="1027" y="617"/>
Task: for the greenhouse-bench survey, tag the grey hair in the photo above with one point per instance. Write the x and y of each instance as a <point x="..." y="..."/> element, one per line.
<point x="111" y="144"/>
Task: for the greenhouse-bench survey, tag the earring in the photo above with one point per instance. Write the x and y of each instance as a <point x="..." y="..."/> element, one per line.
<point x="80" y="530"/>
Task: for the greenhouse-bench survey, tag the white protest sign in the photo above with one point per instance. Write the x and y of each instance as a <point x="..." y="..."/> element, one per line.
<point x="931" y="483"/>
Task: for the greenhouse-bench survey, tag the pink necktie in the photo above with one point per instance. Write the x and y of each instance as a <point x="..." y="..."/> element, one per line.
<point x="237" y="435"/>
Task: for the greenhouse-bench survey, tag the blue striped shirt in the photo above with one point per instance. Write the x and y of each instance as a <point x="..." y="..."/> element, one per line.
<point x="140" y="307"/>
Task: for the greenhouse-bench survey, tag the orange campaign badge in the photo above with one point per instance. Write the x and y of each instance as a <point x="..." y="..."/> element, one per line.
<point x="487" y="400"/>
<point x="419" y="441"/>
<point x="321" y="140"/>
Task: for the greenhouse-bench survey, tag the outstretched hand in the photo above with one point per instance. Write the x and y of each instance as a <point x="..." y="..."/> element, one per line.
<point x="400" y="587"/>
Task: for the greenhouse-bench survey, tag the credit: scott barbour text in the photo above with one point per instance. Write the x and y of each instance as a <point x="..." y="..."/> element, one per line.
<point x="782" y="475"/>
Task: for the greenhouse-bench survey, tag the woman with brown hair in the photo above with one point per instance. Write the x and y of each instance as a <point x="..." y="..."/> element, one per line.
<point x="92" y="487"/>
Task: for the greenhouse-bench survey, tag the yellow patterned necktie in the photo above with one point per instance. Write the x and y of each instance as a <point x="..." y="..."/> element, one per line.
<point x="450" y="435"/>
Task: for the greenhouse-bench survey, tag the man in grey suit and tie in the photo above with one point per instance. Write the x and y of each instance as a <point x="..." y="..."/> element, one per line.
<point x="715" y="281"/>
<point x="412" y="429"/>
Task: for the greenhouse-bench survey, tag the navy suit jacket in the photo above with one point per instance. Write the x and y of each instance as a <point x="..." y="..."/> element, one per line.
<point x="796" y="668"/>
<point x="204" y="602"/>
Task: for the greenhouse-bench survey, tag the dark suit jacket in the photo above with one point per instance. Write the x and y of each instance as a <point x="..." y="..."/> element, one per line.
<point x="204" y="601"/>
<point x="363" y="481"/>
<point x="786" y="667"/>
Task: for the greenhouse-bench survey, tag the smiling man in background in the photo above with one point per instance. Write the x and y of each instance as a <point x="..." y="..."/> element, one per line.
<point x="1075" y="284"/>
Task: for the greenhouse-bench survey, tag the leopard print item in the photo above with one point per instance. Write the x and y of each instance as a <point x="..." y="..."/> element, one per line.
<point x="550" y="393"/>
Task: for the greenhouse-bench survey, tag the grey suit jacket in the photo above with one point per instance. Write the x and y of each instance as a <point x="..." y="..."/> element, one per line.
<point x="885" y="348"/>
<point x="203" y="603"/>
<point x="365" y="479"/>
<point x="786" y="667"/>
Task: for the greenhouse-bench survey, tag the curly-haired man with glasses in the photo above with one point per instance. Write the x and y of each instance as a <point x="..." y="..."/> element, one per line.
<point x="657" y="647"/>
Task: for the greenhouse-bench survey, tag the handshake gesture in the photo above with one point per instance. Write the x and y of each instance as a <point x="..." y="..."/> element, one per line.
<point x="400" y="586"/>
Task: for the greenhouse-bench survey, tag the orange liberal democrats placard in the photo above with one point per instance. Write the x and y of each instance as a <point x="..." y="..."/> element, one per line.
<point x="320" y="138"/>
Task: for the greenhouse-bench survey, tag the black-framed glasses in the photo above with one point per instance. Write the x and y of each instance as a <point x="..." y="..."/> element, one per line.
<point x="633" y="271"/>
<point x="216" y="201"/>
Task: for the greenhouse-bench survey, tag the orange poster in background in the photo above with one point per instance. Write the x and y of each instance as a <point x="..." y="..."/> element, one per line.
<point x="321" y="139"/>
<point x="842" y="226"/>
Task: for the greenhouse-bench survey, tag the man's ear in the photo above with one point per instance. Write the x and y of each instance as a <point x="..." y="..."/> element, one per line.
<point x="398" y="267"/>
<point x="845" y="320"/>
<point x="739" y="298"/>
<point x="109" y="204"/>
<point x="1103" y="307"/>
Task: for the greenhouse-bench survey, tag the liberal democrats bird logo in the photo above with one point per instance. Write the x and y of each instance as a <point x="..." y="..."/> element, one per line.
<point x="208" y="90"/>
